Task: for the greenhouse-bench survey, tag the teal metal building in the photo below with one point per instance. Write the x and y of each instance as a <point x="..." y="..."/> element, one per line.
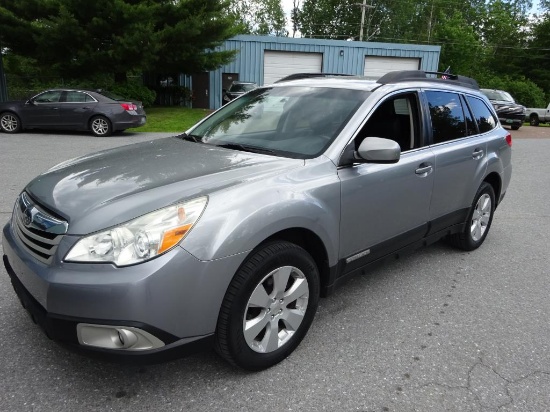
<point x="265" y="59"/>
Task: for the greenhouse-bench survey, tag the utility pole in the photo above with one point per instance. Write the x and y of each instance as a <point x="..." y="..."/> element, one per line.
<point x="363" y="6"/>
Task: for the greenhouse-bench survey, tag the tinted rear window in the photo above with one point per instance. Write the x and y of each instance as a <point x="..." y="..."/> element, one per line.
<point x="482" y="114"/>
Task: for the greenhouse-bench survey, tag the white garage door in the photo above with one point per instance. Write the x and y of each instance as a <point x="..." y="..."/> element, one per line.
<point x="376" y="67"/>
<point x="280" y="64"/>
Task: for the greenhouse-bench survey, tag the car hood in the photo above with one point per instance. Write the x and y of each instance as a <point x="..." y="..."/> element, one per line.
<point x="505" y="103"/>
<point x="103" y="189"/>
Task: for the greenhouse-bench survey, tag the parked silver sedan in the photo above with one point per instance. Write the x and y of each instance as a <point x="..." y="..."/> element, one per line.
<point x="99" y="112"/>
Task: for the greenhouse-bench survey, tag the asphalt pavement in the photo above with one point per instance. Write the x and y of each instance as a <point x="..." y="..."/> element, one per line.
<point x="440" y="330"/>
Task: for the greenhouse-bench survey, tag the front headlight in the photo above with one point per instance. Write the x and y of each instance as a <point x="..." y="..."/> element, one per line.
<point x="140" y="239"/>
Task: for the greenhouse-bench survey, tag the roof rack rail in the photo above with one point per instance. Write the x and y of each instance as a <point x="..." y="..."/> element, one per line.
<point x="408" y="75"/>
<point x="297" y="76"/>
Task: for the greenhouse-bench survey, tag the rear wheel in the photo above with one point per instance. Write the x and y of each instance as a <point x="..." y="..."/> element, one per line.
<point x="479" y="220"/>
<point x="268" y="307"/>
<point x="534" y="120"/>
<point x="10" y="123"/>
<point x="101" y="126"/>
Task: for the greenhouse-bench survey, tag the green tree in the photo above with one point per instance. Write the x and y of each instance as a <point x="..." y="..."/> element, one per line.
<point x="461" y="48"/>
<point x="537" y="60"/>
<point x="79" y="38"/>
<point x="263" y="17"/>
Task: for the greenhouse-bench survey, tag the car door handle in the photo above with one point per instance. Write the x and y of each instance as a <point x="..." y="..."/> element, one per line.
<point x="478" y="154"/>
<point x="424" y="169"/>
<point x="55" y="108"/>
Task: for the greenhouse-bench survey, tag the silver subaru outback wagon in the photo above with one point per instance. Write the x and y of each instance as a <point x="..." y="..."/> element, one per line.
<point x="227" y="235"/>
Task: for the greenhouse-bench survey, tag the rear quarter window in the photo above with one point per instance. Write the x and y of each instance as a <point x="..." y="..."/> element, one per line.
<point x="482" y="114"/>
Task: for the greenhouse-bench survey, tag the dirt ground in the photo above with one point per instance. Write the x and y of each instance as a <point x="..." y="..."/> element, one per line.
<point x="537" y="132"/>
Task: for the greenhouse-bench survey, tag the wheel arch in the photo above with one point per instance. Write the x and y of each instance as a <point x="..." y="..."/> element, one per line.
<point x="10" y="111"/>
<point x="311" y="243"/>
<point x="495" y="181"/>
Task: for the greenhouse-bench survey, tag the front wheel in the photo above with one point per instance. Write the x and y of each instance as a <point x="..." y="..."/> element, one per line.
<point x="515" y="127"/>
<point x="10" y="123"/>
<point x="268" y="307"/>
<point x="100" y="126"/>
<point x="479" y="220"/>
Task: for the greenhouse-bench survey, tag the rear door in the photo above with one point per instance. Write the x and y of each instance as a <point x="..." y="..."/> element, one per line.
<point x="460" y="157"/>
<point x="75" y="108"/>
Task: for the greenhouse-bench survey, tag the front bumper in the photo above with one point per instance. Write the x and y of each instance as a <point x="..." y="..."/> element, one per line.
<point x="509" y="118"/>
<point x="175" y="297"/>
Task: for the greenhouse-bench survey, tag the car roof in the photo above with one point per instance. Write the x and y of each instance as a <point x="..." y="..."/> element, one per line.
<point x="366" y="84"/>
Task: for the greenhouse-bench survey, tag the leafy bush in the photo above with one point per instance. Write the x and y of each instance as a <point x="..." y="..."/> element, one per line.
<point x="134" y="91"/>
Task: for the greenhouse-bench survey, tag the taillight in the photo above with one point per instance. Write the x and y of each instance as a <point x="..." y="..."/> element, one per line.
<point x="509" y="139"/>
<point x="128" y="106"/>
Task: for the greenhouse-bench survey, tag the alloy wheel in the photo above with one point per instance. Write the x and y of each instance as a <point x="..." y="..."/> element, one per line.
<point x="275" y="309"/>
<point x="9" y="123"/>
<point x="480" y="217"/>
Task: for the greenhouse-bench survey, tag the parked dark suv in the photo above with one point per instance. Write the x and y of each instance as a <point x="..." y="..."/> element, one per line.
<point x="508" y="111"/>
<point x="227" y="235"/>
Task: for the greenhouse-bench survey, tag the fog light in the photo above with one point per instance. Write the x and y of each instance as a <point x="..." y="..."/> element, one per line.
<point x="116" y="337"/>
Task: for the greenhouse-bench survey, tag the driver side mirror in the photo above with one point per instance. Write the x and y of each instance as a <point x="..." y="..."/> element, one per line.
<point x="371" y="150"/>
<point x="378" y="150"/>
<point x="30" y="102"/>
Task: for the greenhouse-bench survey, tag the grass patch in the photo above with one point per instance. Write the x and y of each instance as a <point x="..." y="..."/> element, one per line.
<point x="171" y="119"/>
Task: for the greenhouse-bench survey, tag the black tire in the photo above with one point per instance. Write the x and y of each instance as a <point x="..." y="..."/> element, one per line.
<point x="10" y="123"/>
<point x="515" y="127"/>
<point x="260" y="271"/>
<point x="469" y="239"/>
<point x="101" y="126"/>
<point x="534" y="120"/>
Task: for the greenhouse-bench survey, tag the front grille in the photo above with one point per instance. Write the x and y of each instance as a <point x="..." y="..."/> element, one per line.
<point x="38" y="231"/>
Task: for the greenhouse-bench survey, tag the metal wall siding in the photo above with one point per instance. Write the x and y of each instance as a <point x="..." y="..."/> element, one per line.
<point x="249" y="61"/>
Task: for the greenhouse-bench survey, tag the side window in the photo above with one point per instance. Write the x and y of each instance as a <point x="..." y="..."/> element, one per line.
<point x="51" y="96"/>
<point x="396" y="118"/>
<point x="448" y="122"/>
<point x="75" y="97"/>
<point x="484" y="117"/>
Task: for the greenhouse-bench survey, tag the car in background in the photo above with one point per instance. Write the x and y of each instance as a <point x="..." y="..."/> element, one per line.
<point x="508" y="111"/>
<point x="537" y="116"/>
<point x="99" y="112"/>
<point x="237" y="89"/>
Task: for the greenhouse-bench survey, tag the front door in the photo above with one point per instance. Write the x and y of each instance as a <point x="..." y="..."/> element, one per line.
<point x="386" y="206"/>
<point x="228" y="78"/>
<point x="42" y="110"/>
<point x="201" y="91"/>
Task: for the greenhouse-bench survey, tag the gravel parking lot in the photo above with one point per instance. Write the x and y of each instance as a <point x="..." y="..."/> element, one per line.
<point x="440" y="330"/>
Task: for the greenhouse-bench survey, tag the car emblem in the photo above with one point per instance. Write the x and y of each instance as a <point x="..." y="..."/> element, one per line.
<point x="27" y="216"/>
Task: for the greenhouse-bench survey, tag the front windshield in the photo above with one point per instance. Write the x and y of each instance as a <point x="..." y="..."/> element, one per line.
<point x="499" y="95"/>
<point x="298" y="122"/>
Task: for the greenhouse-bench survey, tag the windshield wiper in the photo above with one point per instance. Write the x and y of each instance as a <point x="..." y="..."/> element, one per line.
<point x="245" y="148"/>
<point x="190" y="137"/>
